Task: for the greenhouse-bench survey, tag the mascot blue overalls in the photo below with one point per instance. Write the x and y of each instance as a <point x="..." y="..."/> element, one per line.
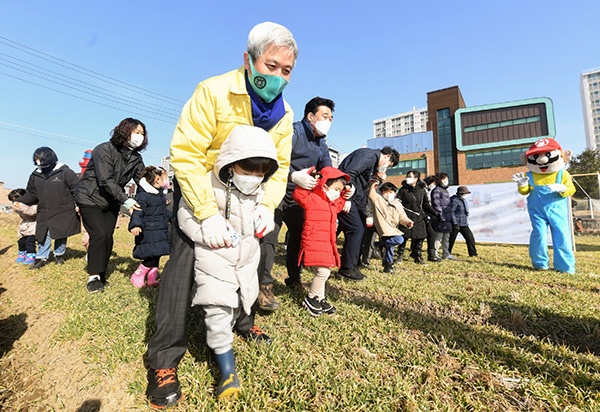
<point x="548" y="185"/>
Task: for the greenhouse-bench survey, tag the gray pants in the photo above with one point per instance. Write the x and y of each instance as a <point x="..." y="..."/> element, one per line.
<point x="442" y="239"/>
<point x="219" y="322"/>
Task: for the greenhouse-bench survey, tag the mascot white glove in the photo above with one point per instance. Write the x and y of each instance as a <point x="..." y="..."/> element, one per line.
<point x="303" y="179"/>
<point x="557" y="187"/>
<point x="215" y="232"/>
<point x="264" y="221"/>
<point x="349" y="192"/>
<point x="521" y="179"/>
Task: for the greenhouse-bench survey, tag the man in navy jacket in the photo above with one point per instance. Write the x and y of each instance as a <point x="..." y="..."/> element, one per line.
<point x="362" y="165"/>
<point x="309" y="152"/>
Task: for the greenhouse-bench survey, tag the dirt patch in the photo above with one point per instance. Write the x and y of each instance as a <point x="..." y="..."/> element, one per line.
<point x="38" y="373"/>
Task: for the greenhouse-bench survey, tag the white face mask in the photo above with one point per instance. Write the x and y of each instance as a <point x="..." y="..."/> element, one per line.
<point x="332" y="195"/>
<point x="432" y="186"/>
<point x="444" y="183"/>
<point x="382" y="168"/>
<point x="390" y="197"/>
<point x="247" y="184"/>
<point x="136" y="140"/>
<point x="410" y="180"/>
<point x="464" y="196"/>
<point x="323" y="126"/>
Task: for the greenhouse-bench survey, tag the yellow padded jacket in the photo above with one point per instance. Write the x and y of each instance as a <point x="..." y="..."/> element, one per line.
<point x="217" y="105"/>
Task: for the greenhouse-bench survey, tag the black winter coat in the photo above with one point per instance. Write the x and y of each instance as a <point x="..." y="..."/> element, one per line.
<point x="415" y="199"/>
<point x="54" y="196"/>
<point x="361" y="165"/>
<point x="154" y="221"/>
<point x="107" y="173"/>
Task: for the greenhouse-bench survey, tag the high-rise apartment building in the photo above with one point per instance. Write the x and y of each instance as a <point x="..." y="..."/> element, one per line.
<point x="401" y="124"/>
<point x="590" y="101"/>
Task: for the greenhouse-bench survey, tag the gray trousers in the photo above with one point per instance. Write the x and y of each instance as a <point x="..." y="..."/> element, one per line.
<point x="219" y="322"/>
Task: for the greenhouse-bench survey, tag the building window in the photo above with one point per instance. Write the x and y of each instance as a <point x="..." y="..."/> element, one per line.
<point x="506" y="123"/>
<point x="495" y="158"/>
<point x="445" y="144"/>
<point x="405" y="165"/>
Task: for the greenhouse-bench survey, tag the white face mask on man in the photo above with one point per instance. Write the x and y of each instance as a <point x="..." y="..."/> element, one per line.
<point x="322" y="126"/>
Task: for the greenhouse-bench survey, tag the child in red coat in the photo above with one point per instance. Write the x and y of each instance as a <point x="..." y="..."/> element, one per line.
<point x="318" y="248"/>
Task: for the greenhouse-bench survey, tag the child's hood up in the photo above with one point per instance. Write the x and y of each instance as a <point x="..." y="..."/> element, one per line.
<point x="329" y="172"/>
<point x="245" y="142"/>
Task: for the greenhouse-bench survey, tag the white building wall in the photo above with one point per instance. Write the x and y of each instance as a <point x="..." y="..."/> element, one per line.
<point x="401" y="124"/>
<point x="590" y="102"/>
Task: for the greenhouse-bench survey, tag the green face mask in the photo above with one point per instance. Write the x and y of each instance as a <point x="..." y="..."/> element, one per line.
<point x="266" y="86"/>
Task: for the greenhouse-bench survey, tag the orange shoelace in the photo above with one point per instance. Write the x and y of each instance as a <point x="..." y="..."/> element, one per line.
<point x="165" y="376"/>
<point x="256" y="330"/>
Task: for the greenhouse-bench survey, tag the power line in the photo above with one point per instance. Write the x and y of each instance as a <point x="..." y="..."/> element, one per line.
<point x="169" y="121"/>
<point x="73" y="86"/>
<point x="61" y="77"/>
<point x="85" y="71"/>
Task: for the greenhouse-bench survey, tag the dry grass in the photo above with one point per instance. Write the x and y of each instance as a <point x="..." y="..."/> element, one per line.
<point x="485" y="334"/>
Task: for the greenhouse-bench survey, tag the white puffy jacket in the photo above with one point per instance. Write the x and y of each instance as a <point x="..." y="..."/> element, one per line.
<point x="226" y="276"/>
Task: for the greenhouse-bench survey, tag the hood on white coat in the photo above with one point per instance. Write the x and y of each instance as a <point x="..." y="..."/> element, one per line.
<point x="244" y="142"/>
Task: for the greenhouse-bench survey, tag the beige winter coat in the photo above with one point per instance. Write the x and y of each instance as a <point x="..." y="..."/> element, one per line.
<point x="387" y="215"/>
<point x="226" y="276"/>
<point x="27" y="215"/>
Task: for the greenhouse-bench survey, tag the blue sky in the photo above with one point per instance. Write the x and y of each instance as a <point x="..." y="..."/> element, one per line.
<point x="143" y="59"/>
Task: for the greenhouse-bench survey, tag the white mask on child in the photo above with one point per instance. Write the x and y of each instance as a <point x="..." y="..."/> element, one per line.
<point x="390" y="197"/>
<point x="332" y="195"/>
<point x="247" y="184"/>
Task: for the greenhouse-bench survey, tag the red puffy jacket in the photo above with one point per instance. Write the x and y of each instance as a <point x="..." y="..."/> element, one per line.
<point x="318" y="245"/>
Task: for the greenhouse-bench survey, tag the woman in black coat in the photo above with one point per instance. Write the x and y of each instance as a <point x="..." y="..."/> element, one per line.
<point x="413" y="195"/>
<point x="51" y="187"/>
<point x="100" y="193"/>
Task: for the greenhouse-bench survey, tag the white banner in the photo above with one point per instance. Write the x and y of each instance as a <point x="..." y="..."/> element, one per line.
<point x="498" y="213"/>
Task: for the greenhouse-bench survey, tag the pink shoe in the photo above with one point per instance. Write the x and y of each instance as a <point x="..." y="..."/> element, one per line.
<point x="139" y="276"/>
<point x="153" y="277"/>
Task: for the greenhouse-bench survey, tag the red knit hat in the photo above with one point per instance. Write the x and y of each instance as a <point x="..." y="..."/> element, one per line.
<point x="543" y="146"/>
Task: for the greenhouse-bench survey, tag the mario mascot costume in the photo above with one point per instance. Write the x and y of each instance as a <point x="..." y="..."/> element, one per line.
<point x="548" y="185"/>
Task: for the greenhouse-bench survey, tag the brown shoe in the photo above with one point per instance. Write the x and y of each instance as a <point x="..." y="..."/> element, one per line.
<point x="266" y="298"/>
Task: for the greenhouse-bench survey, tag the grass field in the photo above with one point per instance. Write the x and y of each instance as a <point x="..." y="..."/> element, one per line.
<point x="478" y="334"/>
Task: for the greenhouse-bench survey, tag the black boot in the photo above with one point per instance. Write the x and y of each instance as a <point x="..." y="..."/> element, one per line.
<point x="401" y="249"/>
<point x="417" y="251"/>
<point x="388" y="267"/>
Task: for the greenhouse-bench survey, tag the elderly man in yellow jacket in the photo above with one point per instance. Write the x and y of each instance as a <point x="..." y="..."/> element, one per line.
<point x="250" y="95"/>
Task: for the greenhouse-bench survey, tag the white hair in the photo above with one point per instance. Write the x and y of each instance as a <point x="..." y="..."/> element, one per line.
<point x="270" y="34"/>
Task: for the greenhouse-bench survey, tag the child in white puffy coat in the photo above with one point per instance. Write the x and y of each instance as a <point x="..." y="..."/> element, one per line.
<point x="226" y="278"/>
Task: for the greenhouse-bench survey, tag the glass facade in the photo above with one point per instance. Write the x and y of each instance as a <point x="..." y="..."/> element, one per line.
<point x="404" y="166"/>
<point x="495" y="158"/>
<point x="445" y="144"/>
